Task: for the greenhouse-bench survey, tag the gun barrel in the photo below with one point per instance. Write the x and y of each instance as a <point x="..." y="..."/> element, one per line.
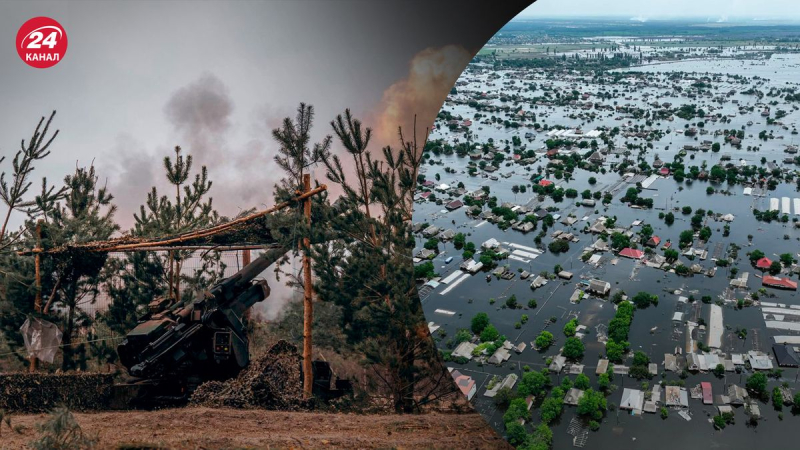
<point x="258" y="265"/>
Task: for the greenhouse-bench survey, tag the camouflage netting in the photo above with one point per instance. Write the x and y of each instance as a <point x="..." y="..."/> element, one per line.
<point x="39" y="392"/>
<point x="272" y="381"/>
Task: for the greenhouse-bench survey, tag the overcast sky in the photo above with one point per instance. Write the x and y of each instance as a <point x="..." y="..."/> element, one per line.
<point x="654" y="9"/>
<point x="139" y="78"/>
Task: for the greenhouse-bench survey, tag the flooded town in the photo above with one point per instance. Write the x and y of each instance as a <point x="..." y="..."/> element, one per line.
<point x="607" y="227"/>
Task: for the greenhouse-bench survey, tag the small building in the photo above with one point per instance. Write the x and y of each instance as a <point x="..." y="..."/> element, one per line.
<point x="708" y="398"/>
<point x="465" y="383"/>
<point x="759" y="360"/>
<point x="764" y="263"/>
<point x="500" y="356"/>
<point x="670" y="362"/>
<point x="631" y="253"/>
<point x="779" y="283"/>
<point x="677" y="396"/>
<point x="558" y="364"/>
<point x="654" y="241"/>
<point x="464" y="350"/>
<point x="632" y="399"/>
<point x="737" y="395"/>
<point x="455" y="204"/>
<point x="599" y="287"/>
<point x="565" y="275"/>
<point x="785" y="355"/>
<point x="573" y="396"/>
<point x="602" y="367"/>
<point x="538" y="282"/>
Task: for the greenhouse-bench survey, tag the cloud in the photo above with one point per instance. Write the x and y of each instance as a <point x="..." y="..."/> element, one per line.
<point x="432" y="73"/>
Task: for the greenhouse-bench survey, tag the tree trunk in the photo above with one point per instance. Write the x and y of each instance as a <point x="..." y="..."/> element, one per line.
<point x="66" y="360"/>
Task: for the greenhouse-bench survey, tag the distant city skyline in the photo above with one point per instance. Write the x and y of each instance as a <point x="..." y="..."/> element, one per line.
<point x="643" y="10"/>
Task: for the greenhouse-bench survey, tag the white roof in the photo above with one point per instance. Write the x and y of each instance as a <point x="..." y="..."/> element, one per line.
<point x="632" y="399"/>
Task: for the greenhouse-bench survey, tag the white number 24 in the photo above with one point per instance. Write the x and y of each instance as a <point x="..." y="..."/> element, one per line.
<point x="37" y="40"/>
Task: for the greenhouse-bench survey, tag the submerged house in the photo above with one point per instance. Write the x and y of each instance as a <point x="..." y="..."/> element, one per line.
<point x="786" y="355"/>
<point x="779" y="283"/>
<point x="599" y="287"/>
<point x="631" y="253"/>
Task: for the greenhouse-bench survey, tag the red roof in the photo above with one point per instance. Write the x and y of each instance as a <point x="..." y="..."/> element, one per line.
<point x="455" y="204"/>
<point x="465" y="383"/>
<point x="631" y="253"/>
<point x="545" y="183"/>
<point x="668" y="244"/>
<point x="783" y="283"/>
<point x="654" y="240"/>
<point x="707" y="397"/>
<point x="664" y="171"/>
<point x="425" y="194"/>
<point x="763" y="263"/>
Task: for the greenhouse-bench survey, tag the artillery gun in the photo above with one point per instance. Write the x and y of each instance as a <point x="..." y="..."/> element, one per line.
<point x="175" y="348"/>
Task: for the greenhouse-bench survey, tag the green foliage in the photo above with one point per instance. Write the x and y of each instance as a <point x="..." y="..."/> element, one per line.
<point x="558" y="246"/>
<point x="644" y="299"/>
<point x="516" y="433"/>
<point x="518" y="409"/>
<point x="757" y="383"/>
<point x="640" y="359"/>
<point x="592" y="404"/>
<point x="551" y="408"/>
<point x="614" y="351"/>
<point x="573" y="348"/>
<point x="604" y="382"/>
<point x="777" y="399"/>
<point x="479" y="322"/>
<point x="432" y="244"/>
<point x="540" y="439"/>
<point x="620" y="241"/>
<point x="544" y="340"/>
<point x="424" y="270"/>
<point x="489" y="334"/>
<point x="533" y="383"/>
<point x="511" y="301"/>
<point x="582" y="382"/>
<point x="570" y="327"/>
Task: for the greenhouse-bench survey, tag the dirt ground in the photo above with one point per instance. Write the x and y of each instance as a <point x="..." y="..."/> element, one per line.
<point x="207" y="428"/>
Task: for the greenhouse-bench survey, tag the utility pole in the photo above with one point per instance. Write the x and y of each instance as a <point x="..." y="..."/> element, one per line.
<point x="37" y="305"/>
<point x="308" y="306"/>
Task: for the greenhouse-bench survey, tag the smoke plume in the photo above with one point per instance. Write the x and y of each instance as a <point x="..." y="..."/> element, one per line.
<point x="432" y="73"/>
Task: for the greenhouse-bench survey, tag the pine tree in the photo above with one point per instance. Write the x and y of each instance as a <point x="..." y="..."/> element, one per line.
<point x="365" y="266"/>
<point x="86" y="215"/>
<point x="191" y="209"/>
<point x="17" y="286"/>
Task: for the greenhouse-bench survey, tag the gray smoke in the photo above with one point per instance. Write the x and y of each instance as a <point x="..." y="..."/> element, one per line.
<point x="200" y="113"/>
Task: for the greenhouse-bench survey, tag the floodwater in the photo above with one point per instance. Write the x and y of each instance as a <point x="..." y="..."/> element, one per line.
<point x="652" y="330"/>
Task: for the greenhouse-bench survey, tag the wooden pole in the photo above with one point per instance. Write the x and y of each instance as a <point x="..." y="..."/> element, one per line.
<point x="245" y="262"/>
<point x="37" y="304"/>
<point x="308" y="306"/>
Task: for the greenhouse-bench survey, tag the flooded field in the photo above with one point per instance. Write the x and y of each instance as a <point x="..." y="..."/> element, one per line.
<point x="508" y="138"/>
